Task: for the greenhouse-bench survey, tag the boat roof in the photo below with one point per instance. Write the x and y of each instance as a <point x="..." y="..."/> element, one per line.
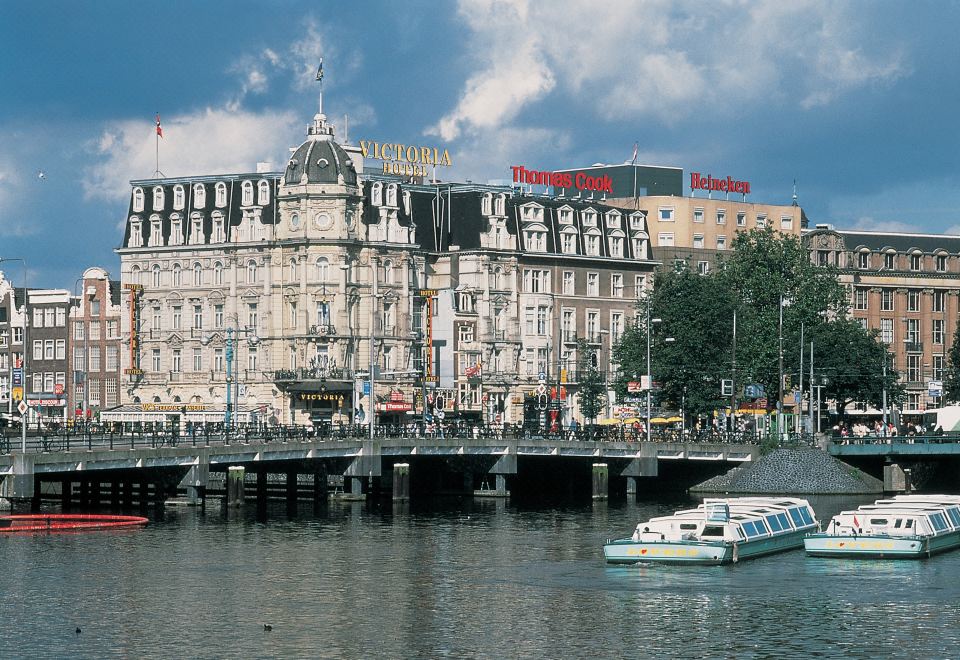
<point x="741" y="508"/>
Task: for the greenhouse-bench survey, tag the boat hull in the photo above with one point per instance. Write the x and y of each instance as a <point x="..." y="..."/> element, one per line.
<point x="65" y="522"/>
<point x="709" y="553"/>
<point x="878" y="546"/>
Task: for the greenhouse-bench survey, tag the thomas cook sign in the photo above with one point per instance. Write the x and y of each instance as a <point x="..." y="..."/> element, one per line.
<point x="405" y="159"/>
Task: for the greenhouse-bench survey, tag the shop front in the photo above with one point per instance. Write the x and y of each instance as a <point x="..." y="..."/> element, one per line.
<point x="321" y="406"/>
<point x="182" y="418"/>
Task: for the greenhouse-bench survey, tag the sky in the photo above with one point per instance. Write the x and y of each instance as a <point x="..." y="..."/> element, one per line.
<point x="855" y="101"/>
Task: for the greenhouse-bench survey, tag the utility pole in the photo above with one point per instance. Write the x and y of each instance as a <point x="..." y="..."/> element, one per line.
<point x="780" y="429"/>
<point x="733" y="377"/>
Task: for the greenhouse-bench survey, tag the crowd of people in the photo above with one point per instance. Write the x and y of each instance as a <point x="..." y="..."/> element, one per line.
<point x="858" y="431"/>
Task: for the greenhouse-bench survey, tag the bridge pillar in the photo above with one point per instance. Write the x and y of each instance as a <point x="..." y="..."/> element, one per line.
<point x="235" y="475"/>
<point x="66" y="486"/>
<point x="401" y="481"/>
<point x="20" y="485"/>
<point x="127" y="494"/>
<point x="631" y="487"/>
<point x="291" y="486"/>
<point x="143" y="497"/>
<point x="356" y="488"/>
<point x="601" y="481"/>
<point x="319" y="484"/>
<point x="501" y="486"/>
<point x="261" y="487"/>
<point x="195" y="481"/>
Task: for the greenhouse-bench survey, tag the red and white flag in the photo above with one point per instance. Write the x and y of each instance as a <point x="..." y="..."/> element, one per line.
<point x="159" y="127"/>
<point x="856" y="523"/>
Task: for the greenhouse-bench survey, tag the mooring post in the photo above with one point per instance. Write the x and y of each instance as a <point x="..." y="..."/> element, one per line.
<point x="235" y="475"/>
<point x="600" y="481"/>
<point x="401" y="481"/>
<point x="631" y="486"/>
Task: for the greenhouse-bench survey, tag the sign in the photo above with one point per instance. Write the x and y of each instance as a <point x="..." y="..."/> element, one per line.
<point x="427" y="293"/>
<point x="542" y="377"/>
<point x="22" y="407"/>
<point x="17" y="377"/>
<point x="396" y="396"/>
<point x="58" y="389"/>
<point x="404" y="159"/>
<point x="366" y="388"/>
<point x="321" y="396"/>
<point x="396" y="406"/>
<point x="634" y="386"/>
<point x="172" y="407"/>
<point x="133" y="372"/>
<point x="708" y="183"/>
<point x="935" y="388"/>
<point x="563" y="375"/>
<point x="580" y="180"/>
<point x="47" y="403"/>
<point x="17" y="393"/>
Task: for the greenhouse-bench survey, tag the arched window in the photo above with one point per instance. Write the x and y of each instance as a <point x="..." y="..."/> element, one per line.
<point x="388" y="272"/>
<point x="501" y="206"/>
<point x="178" y="200"/>
<point x="221" y="192"/>
<point x="177" y="275"/>
<point x="392" y="194"/>
<point x="323" y="269"/>
<point x="158" y="198"/>
<point x="294" y="274"/>
<point x="196" y="229"/>
<point x="136" y="232"/>
<point x="138" y="200"/>
<point x="218" y="273"/>
<point x="497" y="274"/>
<point x="486" y="204"/>
<point x="135" y="273"/>
<point x="199" y="196"/>
<point x="247" y="193"/>
<point x="251" y="272"/>
<point x="197" y="274"/>
<point x="156" y="275"/>
<point x="376" y="194"/>
<point x="263" y="193"/>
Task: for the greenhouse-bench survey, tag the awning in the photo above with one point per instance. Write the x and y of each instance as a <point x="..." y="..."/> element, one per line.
<point x="197" y="413"/>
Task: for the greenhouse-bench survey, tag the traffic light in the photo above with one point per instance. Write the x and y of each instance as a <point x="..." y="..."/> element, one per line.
<point x="726" y="387"/>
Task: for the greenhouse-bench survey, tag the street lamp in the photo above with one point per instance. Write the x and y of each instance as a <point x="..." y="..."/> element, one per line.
<point x="650" y="323"/>
<point x="23" y="360"/>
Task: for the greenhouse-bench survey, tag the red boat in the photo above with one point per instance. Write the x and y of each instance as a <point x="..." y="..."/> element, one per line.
<point x="65" y="522"/>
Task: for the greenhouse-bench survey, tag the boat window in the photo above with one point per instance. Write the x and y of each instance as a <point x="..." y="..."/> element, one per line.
<point x="939" y="522"/>
<point x="748" y="528"/>
<point x="774" y="523"/>
<point x="909" y="523"/>
<point x="954" y="514"/>
<point x="782" y="517"/>
<point x="880" y="522"/>
<point x="796" y="517"/>
<point x="713" y="530"/>
<point x="688" y="525"/>
<point x="805" y="515"/>
<point x="896" y="525"/>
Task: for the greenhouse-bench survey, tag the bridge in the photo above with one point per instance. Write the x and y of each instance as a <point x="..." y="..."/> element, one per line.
<point x="931" y="462"/>
<point x="119" y="468"/>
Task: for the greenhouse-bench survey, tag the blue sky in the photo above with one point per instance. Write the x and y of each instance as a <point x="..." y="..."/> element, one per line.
<point x="857" y="101"/>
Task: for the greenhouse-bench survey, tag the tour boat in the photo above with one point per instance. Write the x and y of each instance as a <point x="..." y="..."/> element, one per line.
<point x="65" y="522"/>
<point x="903" y="527"/>
<point x="719" y="531"/>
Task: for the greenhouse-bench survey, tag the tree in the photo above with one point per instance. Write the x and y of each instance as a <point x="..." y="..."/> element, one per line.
<point x="591" y="382"/>
<point x="851" y="360"/>
<point x="951" y="380"/>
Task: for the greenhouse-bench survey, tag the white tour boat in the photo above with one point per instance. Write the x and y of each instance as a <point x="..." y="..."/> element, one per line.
<point x="719" y="531"/>
<point x="905" y="526"/>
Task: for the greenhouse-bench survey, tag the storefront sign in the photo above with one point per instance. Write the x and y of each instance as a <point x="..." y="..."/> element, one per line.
<point x="395" y="406"/>
<point x="404" y="159"/>
<point x="578" y="180"/>
<point x="700" y="182"/>
<point x="172" y="407"/>
<point x="321" y="396"/>
<point x="47" y="403"/>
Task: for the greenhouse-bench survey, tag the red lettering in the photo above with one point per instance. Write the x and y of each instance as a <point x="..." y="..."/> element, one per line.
<point x="729" y="184"/>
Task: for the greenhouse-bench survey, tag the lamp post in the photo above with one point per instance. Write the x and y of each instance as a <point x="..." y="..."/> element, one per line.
<point x="23" y="360"/>
<point x="650" y="323"/>
<point x="84" y="315"/>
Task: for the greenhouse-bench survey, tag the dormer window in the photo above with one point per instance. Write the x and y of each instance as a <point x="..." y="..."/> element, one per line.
<point x="568" y="241"/>
<point x="916" y="262"/>
<point x="565" y="216"/>
<point x="219" y="233"/>
<point x="263" y="193"/>
<point x="199" y="196"/>
<point x="535" y="238"/>
<point x="158" y="198"/>
<point x="863" y="260"/>
<point x="221" y="194"/>
<point x="590" y="218"/>
<point x="591" y="243"/>
<point x="376" y="194"/>
<point x="616" y="246"/>
<point x="613" y="220"/>
<point x="196" y="229"/>
<point x="637" y="222"/>
<point x="136" y="233"/>
<point x="138" y="200"/>
<point x="500" y="207"/>
<point x="176" y="230"/>
<point x="247" y="193"/>
<point x="392" y="194"/>
<point x="406" y="202"/>
<point x="156" y="231"/>
<point x="486" y="204"/>
<point x="178" y="197"/>
<point x="532" y="213"/>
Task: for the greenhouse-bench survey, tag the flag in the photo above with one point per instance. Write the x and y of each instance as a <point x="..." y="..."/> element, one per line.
<point x="159" y="127"/>
<point x="320" y="70"/>
<point x="856" y="523"/>
<point x="636" y="148"/>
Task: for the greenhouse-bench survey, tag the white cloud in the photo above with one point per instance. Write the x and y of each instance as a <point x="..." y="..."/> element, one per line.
<point x="868" y="223"/>
<point x="490" y="152"/>
<point x="664" y="59"/>
<point x="205" y="142"/>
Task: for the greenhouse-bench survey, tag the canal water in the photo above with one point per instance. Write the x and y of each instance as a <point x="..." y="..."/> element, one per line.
<point x="454" y="578"/>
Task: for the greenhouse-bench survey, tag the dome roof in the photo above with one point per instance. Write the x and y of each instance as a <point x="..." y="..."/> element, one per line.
<point x="320" y="161"/>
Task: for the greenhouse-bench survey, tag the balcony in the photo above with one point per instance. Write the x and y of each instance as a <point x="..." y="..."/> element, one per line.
<point x="287" y="376"/>
<point x="322" y="330"/>
<point x="913" y="346"/>
<point x="569" y="336"/>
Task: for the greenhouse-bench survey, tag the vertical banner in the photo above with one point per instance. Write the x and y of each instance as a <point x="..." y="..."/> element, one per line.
<point x="134" y="290"/>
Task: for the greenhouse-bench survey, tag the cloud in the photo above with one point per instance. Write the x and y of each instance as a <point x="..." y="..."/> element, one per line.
<point x="494" y="150"/>
<point x="867" y="223"/>
<point x="204" y="142"/>
<point x="663" y="59"/>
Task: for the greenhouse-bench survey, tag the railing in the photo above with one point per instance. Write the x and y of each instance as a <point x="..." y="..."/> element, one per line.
<point x="311" y="373"/>
<point x="323" y="329"/>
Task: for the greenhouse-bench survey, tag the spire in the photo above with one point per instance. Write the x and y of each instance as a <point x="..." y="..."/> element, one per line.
<point x="795" y="203"/>
<point x="320" y="129"/>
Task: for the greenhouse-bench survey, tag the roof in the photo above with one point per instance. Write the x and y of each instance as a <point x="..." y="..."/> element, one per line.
<point x="320" y="160"/>
<point x="877" y="241"/>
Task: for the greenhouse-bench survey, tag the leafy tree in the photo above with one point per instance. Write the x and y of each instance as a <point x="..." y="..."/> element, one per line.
<point x="590" y="380"/>
<point x="951" y="377"/>
<point x="851" y="359"/>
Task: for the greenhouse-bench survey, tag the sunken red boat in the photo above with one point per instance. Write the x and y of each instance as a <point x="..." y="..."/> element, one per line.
<point x="65" y="522"/>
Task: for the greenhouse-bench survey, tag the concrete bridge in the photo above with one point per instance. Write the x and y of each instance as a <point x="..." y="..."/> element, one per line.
<point x="97" y="468"/>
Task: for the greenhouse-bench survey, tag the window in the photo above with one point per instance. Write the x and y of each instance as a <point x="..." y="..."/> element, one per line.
<point x="913" y="332"/>
<point x="721" y="217"/>
<point x="198" y="317"/>
<point x="252" y="315"/>
<point x="177" y="361"/>
<point x="916" y="261"/>
<point x="37" y="349"/>
<point x="886" y="331"/>
<point x="569" y="241"/>
<point x="616" y="285"/>
<point x="593" y="326"/>
<point x="697" y="215"/>
<point x="616" y="246"/>
<point x="79" y="359"/>
<point x="113" y="358"/>
<point x="569" y="282"/>
<point x="136" y="233"/>
<point x="939" y="301"/>
<point x="263" y="193"/>
<point x="156" y="275"/>
<point x="246" y="193"/>
<point x="486" y="204"/>
<point x="937" y="330"/>
<point x="535" y="240"/>
<point x="251" y="272"/>
<point x="941" y="263"/>
<point x="49" y="350"/>
<point x="465" y="333"/>
<point x="178" y="197"/>
<point x="913" y="367"/>
<point x="863" y="260"/>
<point x="568" y="328"/>
<point x="156" y="317"/>
<point x="49" y="315"/>
<point x="376" y="194"/>
<point x="823" y="257"/>
<point x="78" y="327"/>
<point x="542" y="320"/>
<point x="156" y="231"/>
<point x="593" y="284"/>
<point x="721" y="242"/>
<point x="703" y="267"/>
<point x="886" y="300"/>
<point x="761" y="220"/>
<point x="698" y="241"/>
<point x="94" y="329"/>
<point x="292" y="312"/>
<point x="323" y="269"/>
<point x="913" y="300"/>
<point x="937" y="367"/>
<point x="197" y="275"/>
<point x="218" y="316"/>
<point x="199" y="196"/>
<point x="665" y="239"/>
<point x="111" y="388"/>
<point x="137" y="200"/>
<point x="113" y="329"/>
<point x="218" y="359"/>
<point x="323" y="313"/>
<point x="218" y="273"/>
<point x="155" y="359"/>
<point x="37" y="318"/>
<point x="861" y="297"/>
<point x="666" y="214"/>
<point x="391" y="194"/>
<point x="197" y="359"/>
<point x="220" y="192"/>
<point x="158" y="199"/>
<point x="889" y="261"/>
<point x="536" y="281"/>
<point x="786" y="223"/>
<point x="94" y="311"/>
<point x="18" y="335"/>
<point x="95" y="358"/>
<point x="177" y="317"/>
<point x="219" y="231"/>
<point x="592" y="244"/>
<point x="741" y="219"/>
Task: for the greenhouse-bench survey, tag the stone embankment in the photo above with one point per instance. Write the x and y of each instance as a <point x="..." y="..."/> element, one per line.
<point x="796" y="471"/>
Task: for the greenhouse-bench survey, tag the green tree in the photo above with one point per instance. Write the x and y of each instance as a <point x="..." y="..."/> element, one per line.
<point x="851" y="359"/>
<point x="951" y="380"/>
<point x="590" y="393"/>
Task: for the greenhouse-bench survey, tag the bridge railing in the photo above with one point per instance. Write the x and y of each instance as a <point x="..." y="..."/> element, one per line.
<point x="115" y="438"/>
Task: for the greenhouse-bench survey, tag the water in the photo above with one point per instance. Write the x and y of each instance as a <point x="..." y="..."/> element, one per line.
<point x="455" y="578"/>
